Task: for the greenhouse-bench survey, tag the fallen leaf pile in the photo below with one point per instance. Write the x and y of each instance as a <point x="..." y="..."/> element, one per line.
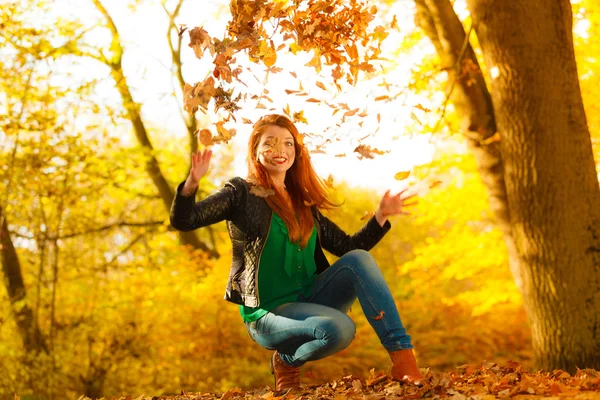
<point x="484" y="382"/>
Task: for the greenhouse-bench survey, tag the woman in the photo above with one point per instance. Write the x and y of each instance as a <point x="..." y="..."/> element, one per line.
<point x="290" y="298"/>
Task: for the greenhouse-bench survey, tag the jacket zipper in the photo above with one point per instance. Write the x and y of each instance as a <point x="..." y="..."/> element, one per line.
<point x="260" y="256"/>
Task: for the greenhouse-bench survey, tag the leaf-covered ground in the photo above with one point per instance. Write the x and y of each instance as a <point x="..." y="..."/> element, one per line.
<point x="484" y="382"/>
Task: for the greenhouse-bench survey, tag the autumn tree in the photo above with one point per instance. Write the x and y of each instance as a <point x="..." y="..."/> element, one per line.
<point x="113" y="59"/>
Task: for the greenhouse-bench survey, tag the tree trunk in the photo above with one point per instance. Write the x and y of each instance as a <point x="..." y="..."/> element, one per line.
<point x="473" y="103"/>
<point x="32" y="338"/>
<point x="551" y="179"/>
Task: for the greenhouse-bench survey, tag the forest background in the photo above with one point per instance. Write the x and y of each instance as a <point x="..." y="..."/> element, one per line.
<point x="104" y="298"/>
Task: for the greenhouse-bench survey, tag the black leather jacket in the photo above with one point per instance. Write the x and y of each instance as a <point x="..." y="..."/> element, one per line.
<point x="248" y="221"/>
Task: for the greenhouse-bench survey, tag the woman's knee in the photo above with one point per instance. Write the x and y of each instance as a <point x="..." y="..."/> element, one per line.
<point x="339" y="331"/>
<point x="359" y="259"/>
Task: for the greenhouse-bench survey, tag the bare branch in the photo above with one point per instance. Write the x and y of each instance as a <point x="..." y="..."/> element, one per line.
<point x="95" y="230"/>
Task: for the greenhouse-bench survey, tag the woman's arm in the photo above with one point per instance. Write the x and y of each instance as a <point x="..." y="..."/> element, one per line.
<point x="187" y="214"/>
<point x="338" y="242"/>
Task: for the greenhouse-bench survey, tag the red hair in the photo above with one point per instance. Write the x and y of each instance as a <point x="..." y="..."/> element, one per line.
<point x="304" y="186"/>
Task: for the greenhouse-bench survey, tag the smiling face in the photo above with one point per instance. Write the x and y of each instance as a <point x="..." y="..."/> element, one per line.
<point x="276" y="151"/>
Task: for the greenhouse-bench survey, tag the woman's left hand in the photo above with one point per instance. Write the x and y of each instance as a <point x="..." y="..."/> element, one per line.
<point x="392" y="205"/>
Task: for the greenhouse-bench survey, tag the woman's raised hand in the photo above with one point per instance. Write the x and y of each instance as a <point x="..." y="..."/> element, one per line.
<point x="200" y="163"/>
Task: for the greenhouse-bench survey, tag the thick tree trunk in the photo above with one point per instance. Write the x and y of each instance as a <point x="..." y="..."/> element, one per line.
<point x="32" y="338"/>
<point x="473" y="103"/>
<point x="551" y="179"/>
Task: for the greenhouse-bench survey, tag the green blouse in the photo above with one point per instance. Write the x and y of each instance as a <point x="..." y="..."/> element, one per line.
<point x="285" y="270"/>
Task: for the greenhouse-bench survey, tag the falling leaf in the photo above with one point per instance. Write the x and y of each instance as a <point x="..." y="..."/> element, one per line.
<point x="378" y="118"/>
<point x="292" y="73"/>
<point x="290" y="91"/>
<point x="341" y="155"/>
<point x="401" y="175"/>
<point x="261" y="106"/>
<point x="394" y="23"/>
<point x="313" y="100"/>
<point x="321" y="85"/>
<point x="246" y="121"/>
<point x="434" y="184"/>
<point x="366" y="151"/>
<point x="200" y="40"/>
<point x="379" y="98"/>
<point x="329" y="181"/>
<point x="380" y="316"/>
<point x="351" y="113"/>
<point x="225" y="134"/>
<point x="420" y="107"/>
<point x="414" y="116"/>
<point x="299" y="117"/>
<point x="205" y="137"/>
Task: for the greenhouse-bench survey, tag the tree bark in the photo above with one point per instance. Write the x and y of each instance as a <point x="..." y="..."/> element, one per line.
<point x="473" y="103"/>
<point x="134" y="112"/>
<point x="551" y="179"/>
<point x="32" y="338"/>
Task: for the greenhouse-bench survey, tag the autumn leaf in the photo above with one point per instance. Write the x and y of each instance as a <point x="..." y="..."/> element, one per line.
<point x="205" y="137"/>
<point x="379" y="33"/>
<point x="299" y="117"/>
<point x="351" y="112"/>
<point x="198" y="95"/>
<point x="261" y="191"/>
<point x="401" y="175"/>
<point x="435" y="184"/>
<point x="366" y="151"/>
<point x="329" y="181"/>
<point x="379" y="98"/>
<point x="267" y="54"/>
<point x="414" y="116"/>
<point x="313" y="100"/>
<point x="246" y="121"/>
<point x="224" y="133"/>
<point x="315" y="62"/>
<point x="420" y="107"/>
<point x="200" y="40"/>
<point x="321" y="85"/>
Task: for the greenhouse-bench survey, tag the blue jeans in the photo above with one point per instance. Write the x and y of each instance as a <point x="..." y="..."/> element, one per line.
<point x="317" y="327"/>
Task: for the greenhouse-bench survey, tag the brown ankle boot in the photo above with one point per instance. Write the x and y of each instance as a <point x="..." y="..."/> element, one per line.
<point x="405" y="366"/>
<point x="286" y="376"/>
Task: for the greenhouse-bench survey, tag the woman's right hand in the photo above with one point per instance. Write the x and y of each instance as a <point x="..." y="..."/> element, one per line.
<point x="200" y="163"/>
